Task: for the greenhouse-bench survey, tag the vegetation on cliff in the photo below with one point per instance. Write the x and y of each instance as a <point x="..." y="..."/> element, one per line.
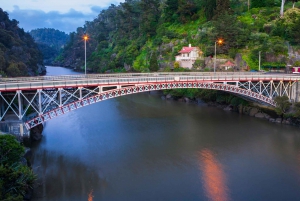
<point x="16" y="178"/>
<point x="19" y="54"/>
<point x="50" y="42"/>
<point x="130" y="34"/>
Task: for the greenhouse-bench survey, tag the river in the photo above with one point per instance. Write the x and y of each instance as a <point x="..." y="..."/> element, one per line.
<point x="142" y="148"/>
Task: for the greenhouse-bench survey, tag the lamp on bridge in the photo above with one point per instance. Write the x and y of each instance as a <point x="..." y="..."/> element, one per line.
<point x="85" y="38"/>
<point x="220" y="42"/>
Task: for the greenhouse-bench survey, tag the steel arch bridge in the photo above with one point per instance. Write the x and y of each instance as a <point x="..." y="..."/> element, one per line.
<point x="51" y="96"/>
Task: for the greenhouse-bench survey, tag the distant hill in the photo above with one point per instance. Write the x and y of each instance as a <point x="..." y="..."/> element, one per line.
<point x="19" y="54"/>
<point x="126" y="36"/>
<point x="50" y="42"/>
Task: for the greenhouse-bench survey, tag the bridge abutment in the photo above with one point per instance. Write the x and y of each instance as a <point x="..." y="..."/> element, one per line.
<point x="295" y="93"/>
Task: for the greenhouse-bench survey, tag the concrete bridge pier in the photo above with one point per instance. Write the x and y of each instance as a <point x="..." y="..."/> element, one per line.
<point x="295" y="92"/>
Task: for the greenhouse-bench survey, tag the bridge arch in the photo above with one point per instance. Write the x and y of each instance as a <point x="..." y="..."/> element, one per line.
<point x="92" y="98"/>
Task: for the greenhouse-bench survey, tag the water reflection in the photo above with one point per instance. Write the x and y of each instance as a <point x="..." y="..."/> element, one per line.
<point x="90" y="196"/>
<point x="67" y="177"/>
<point x="214" y="179"/>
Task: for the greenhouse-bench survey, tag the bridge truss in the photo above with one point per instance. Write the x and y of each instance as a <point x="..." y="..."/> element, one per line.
<point x="50" y="102"/>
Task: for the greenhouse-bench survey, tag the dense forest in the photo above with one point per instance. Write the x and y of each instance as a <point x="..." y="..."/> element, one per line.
<point x="145" y="35"/>
<point x="50" y="42"/>
<point x="19" y="54"/>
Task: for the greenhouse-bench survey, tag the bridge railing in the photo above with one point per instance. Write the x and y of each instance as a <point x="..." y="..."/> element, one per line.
<point x="119" y="75"/>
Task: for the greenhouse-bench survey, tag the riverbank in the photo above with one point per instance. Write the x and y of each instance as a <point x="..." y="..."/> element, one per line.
<point x="253" y="110"/>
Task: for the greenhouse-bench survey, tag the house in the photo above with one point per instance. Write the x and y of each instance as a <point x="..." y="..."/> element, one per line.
<point x="188" y="55"/>
<point x="227" y="65"/>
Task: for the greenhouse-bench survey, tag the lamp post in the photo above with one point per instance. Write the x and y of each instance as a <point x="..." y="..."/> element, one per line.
<point x="85" y="38"/>
<point x="219" y="41"/>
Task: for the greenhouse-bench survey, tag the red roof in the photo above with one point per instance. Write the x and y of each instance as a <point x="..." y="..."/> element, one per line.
<point x="228" y="63"/>
<point x="186" y="49"/>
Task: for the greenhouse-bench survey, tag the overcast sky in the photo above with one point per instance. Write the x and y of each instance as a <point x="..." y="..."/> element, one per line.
<point x="64" y="15"/>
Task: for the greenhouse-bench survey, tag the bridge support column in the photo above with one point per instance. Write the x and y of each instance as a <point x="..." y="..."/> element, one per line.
<point x="2" y="109"/>
<point x="40" y="101"/>
<point x="59" y="96"/>
<point x="271" y="88"/>
<point x="100" y="89"/>
<point x="295" y="92"/>
<point x="260" y="83"/>
<point x="20" y="104"/>
<point x="80" y="93"/>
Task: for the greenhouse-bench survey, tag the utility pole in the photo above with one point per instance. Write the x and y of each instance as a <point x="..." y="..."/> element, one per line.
<point x="259" y="59"/>
<point x="248" y="5"/>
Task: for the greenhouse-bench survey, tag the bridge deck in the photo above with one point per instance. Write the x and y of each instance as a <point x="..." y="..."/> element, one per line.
<point x="40" y="82"/>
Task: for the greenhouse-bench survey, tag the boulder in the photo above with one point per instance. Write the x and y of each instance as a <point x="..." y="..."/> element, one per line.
<point x="272" y="120"/>
<point x="260" y="115"/>
<point x="278" y="120"/>
<point x="186" y="99"/>
<point x="168" y="96"/>
<point x="267" y="116"/>
<point x="228" y="108"/>
<point x="253" y="111"/>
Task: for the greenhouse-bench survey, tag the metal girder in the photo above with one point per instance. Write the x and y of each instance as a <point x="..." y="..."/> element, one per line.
<point x="73" y="100"/>
<point x="49" y="103"/>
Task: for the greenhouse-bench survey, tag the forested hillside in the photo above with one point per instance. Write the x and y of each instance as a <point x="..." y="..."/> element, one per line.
<point x="139" y="33"/>
<point x="19" y="54"/>
<point x="50" y="42"/>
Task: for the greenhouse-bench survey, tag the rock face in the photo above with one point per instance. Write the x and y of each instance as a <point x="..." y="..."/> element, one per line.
<point x="36" y="132"/>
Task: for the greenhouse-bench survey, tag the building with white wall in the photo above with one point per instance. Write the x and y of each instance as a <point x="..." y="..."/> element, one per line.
<point x="188" y="55"/>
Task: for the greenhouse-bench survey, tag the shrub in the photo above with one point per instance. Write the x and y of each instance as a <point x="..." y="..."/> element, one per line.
<point x="15" y="178"/>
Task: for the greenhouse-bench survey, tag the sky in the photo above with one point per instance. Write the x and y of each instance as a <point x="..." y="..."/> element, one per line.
<point x="64" y="15"/>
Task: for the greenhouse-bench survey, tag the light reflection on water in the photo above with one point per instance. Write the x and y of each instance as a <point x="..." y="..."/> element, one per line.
<point x="214" y="178"/>
<point x="90" y="196"/>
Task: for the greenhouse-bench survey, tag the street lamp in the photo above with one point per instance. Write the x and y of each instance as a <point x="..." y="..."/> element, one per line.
<point x="220" y="42"/>
<point x="85" y="38"/>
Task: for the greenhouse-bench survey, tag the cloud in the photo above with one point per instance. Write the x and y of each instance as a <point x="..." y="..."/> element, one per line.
<point x="67" y="22"/>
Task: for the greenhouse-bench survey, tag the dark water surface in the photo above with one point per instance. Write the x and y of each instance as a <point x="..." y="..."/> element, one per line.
<point x="141" y="148"/>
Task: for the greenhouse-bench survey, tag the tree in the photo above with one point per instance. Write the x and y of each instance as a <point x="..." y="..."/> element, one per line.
<point x="222" y="8"/>
<point x="297" y="110"/>
<point x="209" y="7"/>
<point x="282" y="105"/>
<point x="282" y="7"/>
<point x="10" y="149"/>
<point x="15" y="178"/>
<point x="231" y="31"/>
<point x="294" y="2"/>
<point x="153" y="62"/>
<point x="170" y="10"/>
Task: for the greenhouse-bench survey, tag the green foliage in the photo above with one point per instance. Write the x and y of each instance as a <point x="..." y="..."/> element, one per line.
<point x="15" y="178"/>
<point x="297" y="110"/>
<point x="18" y="51"/>
<point x="296" y="64"/>
<point x="232" y="33"/>
<point x="129" y="32"/>
<point x="222" y="8"/>
<point x="209" y="7"/>
<point x="282" y="104"/>
<point x="176" y="65"/>
<point x="153" y="62"/>
<point x="10" y="149"/>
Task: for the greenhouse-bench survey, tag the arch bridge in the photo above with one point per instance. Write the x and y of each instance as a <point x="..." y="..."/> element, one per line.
<point x="50" y="96"/>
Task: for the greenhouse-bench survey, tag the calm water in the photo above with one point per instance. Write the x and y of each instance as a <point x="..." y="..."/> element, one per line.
<point x="142" y="148"/>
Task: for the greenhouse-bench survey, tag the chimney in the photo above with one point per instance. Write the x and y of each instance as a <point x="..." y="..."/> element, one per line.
<point x="190" y="45"/>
